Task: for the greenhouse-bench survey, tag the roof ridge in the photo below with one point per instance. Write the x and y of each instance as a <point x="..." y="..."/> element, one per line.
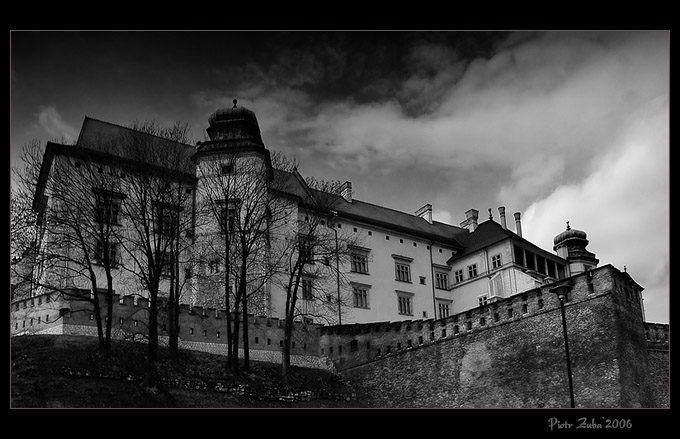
<point x="406" y="213"/>
<point x="130" y="129"/>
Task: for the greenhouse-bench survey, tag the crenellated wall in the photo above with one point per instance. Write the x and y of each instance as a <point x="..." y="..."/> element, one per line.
<point x="202" y="329"/>
<point x="509" y="353"/>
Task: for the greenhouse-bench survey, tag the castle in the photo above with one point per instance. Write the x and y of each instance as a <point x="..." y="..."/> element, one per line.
<point x="420" y="301"/>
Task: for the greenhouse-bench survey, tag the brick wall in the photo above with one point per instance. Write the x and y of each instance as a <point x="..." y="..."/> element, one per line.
<point x="492" y="357"/>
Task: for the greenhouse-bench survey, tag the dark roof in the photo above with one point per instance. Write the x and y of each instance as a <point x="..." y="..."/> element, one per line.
<point x="490" y="232"/>
<point x="293" y="184"/>
<point x="135" y="145"/>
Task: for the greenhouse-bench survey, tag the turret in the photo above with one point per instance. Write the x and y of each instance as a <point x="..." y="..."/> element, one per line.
<point x="571" y="245"/>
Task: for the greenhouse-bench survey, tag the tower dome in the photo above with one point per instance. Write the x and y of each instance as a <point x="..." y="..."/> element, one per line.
<point x="230" y="129"/>
<point x="570" y="234"/>
<point x="571" y="245"/>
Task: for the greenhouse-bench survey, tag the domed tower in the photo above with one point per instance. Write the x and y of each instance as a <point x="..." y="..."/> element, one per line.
<point x="571" y="245"/>
<point x="233" y="131"/>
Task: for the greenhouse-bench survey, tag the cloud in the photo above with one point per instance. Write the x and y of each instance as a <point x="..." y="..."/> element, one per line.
<point x="623" y="206"/>
<point x="54" y="125"/>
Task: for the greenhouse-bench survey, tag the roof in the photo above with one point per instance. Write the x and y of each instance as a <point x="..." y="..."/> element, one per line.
<point x="135" y="145"/>
<point x="293" y="184"/>
<point x="488" y="233"/>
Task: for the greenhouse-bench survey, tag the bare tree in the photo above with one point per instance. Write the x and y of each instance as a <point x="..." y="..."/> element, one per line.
<point x="315" y="254"/>
<point x="74" y="194"/>
<point x="158" y="212"/>
<point x="236" y="190"/>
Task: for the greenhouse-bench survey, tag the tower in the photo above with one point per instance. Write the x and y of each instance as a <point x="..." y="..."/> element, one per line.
<point x="571" y="245"/>
<point x="233" y="170"/>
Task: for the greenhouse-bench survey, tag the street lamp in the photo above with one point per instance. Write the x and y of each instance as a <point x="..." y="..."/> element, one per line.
<point x="561" y="291"/>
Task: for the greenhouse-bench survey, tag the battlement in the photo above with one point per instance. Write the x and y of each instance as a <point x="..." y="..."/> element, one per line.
<point x="657" y="335"/>
<point x="351" y="345"/>
<point x="199" y="327"/>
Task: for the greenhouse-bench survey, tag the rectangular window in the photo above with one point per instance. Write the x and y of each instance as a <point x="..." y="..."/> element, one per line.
<point x="227" y="169"/>
<point x="483" y="300"/>
<point x="443" y="309"/>
<point x="496" y="261"/>
<point x="107" y="208"/>
<point x="472" y="270"/>
<point x="403" y="272"/>
<point x="112" y="250"/>
<point x="442" y="281"/>
<point x="360" y="297"/>
<point x="307" y="292"/>
<point x="359" y="263"/>
<point x="227" y="216"/>
<point x="306" y="246"/>
<point x="405" y="305"/>
<point x="458" y="276"/>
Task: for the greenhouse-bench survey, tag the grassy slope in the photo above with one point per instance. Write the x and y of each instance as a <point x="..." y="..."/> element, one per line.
<point x="68" y="371"/>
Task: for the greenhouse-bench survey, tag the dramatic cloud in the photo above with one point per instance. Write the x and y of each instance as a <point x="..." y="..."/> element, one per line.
<point x="623" y="206"/>
<point x="54" y="126"/>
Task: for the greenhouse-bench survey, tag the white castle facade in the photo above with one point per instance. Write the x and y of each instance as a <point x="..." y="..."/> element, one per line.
<point x="394" y="265"/>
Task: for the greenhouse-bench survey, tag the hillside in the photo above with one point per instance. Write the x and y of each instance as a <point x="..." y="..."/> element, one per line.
<point x="68" y="372"/>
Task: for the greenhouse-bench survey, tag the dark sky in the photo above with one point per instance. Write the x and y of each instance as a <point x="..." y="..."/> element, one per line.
<point x="556" y="125"/>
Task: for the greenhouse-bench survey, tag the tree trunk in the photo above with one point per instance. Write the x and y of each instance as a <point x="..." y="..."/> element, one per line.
<point x="153" y="338"/>
<point x="234" y="347"/>
<point x="109" y="311"/>
<point x="291" y="299"/>
<point x="246" y="354"/>
<point x="173" y="343"/>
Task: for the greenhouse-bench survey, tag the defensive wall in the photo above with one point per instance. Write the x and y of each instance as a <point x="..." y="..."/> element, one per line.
<point x="201" y="329"/>
<point x="511" y="353"/>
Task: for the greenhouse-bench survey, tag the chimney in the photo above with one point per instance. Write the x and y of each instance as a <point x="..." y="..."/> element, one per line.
<point x="425" y="213"/>
<point x="501" y="213"/>
<point x="346" y="191"/>
<point x="470" y="222"/>
<point x="518" y="224"/>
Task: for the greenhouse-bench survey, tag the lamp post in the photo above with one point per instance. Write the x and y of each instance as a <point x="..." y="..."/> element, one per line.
<point x="561" y="291"/>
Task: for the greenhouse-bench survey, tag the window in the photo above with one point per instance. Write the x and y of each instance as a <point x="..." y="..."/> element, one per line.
<point x="107" y="207"/>
<point x="167" y="219"/>
<point x="306" y="248"/>
<point x="443" y="309"/>
<point x="458" y="275"/>
<point x="360" y="296"/>
<point x="307" y="289"/>
<point x="214" y="266"/>
<point x="227" y="169"/>
<point x="167" y="264"/>
<point x="422" y="280"/>
<point x="100" y="253"/>
<point x="403" y="272"/>
<point x="359" y="263"/>
<point x="404" y="303"/>
<point x="496" y="261"/>
<point x="442" y="280"/>
<point x="483" y="300"/>
<point x="227" y="216"/>
<point x="472" y="270"/>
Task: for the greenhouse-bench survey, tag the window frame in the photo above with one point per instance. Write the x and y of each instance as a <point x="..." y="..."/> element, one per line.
<point x="441" y="280"/>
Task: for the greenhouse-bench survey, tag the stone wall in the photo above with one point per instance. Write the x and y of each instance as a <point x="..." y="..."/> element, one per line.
<point x="202" y="329"/>
<point x="507" y="354"/>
